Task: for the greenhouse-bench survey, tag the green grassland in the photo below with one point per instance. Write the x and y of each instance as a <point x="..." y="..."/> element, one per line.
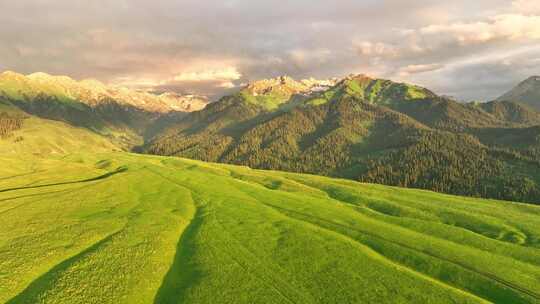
<point x="42" y="137"/>
<point x="126" y="228"/>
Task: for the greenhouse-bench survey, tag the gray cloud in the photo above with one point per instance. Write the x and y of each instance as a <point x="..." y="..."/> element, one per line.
<point x="148" y="44"/>
<point x="485" y="77"/>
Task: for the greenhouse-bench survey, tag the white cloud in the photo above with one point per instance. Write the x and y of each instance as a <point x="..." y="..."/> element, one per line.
<point x="454" y="38"/>
<point x="200" y="46"/>
<point x="419" y="68"/>
<point x="507" y="27"/>
<point x="528" y="7"/>
<point x="224" y="74"/>
<point x="428" y="48"/>
<point x="311" y="56"/>
<point x="136" y="82"/>
<point x="226" y="85"/>
<point x="368" y="48"/>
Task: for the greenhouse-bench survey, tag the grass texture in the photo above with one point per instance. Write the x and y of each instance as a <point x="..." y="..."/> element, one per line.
<point x="125" y="228"/>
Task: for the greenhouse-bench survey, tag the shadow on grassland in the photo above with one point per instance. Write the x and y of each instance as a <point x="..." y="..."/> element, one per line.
<point x="104" y="176"/>
<point x="45" y="282"/>
<point x="182" y="273"/>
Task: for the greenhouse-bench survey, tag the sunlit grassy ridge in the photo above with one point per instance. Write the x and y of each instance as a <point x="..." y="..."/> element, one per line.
<point x="268" y="101"/>
<point x="122" y="228"/>
<point x="375" y="91"/>
<point x="18" y="87"/>
<point x="39" y="136"/>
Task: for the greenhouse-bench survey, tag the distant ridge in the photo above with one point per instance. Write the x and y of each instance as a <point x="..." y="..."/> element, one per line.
<point x="119" y="113"/>
<point x="91" y="91"/>
<point x="526" y="92"/>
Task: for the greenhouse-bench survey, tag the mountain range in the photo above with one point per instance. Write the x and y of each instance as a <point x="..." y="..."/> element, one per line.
<point x="121" y="114"/>
<point x="360" y="128"/>
<point x="371" y="130"/>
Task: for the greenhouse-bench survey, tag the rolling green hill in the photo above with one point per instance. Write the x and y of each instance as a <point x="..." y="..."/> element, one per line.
<point x="376" y="91"/>
<point x="369" y="130"/>
<point x="124" y="228"/>
<point x="23" y="134"/>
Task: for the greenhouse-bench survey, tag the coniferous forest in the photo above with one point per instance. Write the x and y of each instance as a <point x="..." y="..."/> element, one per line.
<point x="372" y="131"/>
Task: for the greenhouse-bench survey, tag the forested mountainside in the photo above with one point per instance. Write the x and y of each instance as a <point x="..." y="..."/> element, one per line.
<point x="369" y="130"/>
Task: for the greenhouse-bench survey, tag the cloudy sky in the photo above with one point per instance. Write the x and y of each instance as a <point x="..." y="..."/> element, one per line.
<point x="468" y="49"/>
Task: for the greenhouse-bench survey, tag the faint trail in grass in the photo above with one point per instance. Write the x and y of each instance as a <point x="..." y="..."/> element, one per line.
<point x="367" y="250"/>
<point x="33" y="291"/>
<point x="39" y="195"/>
<point x="21" y="175"/>
<point x="487" y="275"/>
<point x="360" y="208"/>
<point x="268" y="277"/>
<point x="315" y="219"/>
<point x="104" y="176"/>
<point x="32" y="195"/>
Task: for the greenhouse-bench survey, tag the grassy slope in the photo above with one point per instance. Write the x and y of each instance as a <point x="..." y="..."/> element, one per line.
<point x="123" y="228"/>
<point x="375" y="91"/>
<point x="53" y="100"/>
<point x="42" y="137"/>
<point x="21" y="88"/>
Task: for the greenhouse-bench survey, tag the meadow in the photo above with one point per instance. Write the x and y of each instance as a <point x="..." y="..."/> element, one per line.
<point x="127" y="228"/>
